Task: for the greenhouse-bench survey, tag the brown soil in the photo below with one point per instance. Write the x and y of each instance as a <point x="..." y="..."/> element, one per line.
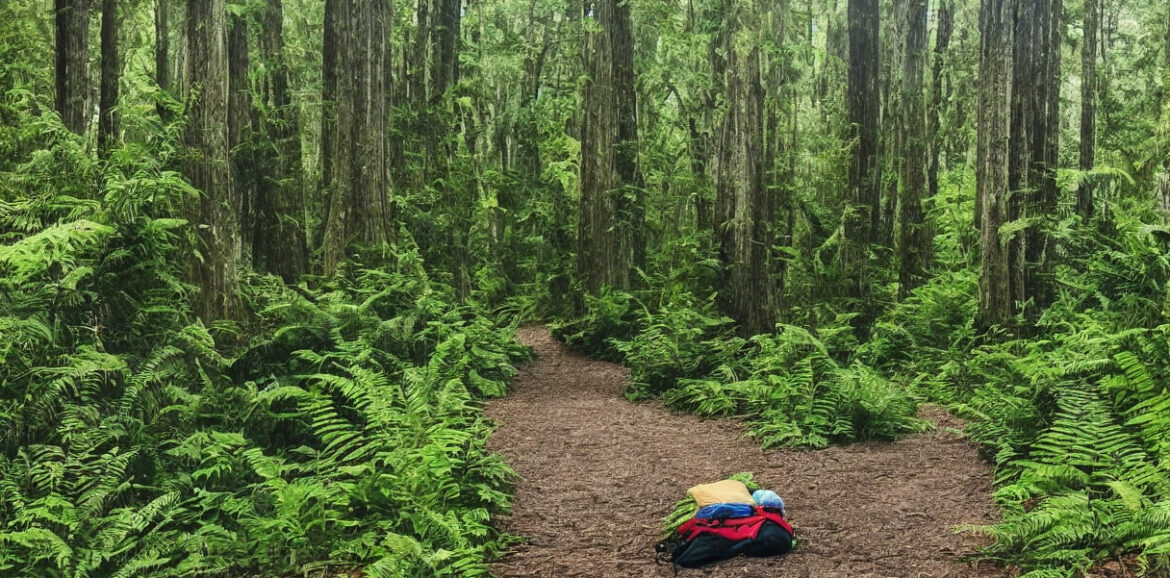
<point x="598" y="473"/>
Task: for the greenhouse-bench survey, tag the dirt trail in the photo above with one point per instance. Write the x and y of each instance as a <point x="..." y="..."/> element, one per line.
<point x="597" y="473"/>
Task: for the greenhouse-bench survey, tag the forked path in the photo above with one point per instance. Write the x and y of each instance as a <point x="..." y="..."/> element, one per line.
<point x="597" y="474"/>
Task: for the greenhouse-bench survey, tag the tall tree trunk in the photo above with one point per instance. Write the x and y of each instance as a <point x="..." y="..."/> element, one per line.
<point x="939" y="98"/>
<point x="162" y="54"/>
<point x="863" y="203"/>
<point x="743" y="206"/>
<point x="72" y="72"/>
<point x="1088" y="144"/>
<point x="329" y="78"/>
<point x="892" y="126"/>
<point x="446" y="48"/>
<point x="778" y="177"/>
<point x="208" y="165"/>
<point x="1045" y="133"/>
<point x="995" y="88"/>
<point x="358" y="177"/>
<point x="611" y="216"/>
<point x="626" y="146"/>
<point x="438" y="129"/>
<point x="914" y="246"/>
<point x="278" y="218"/>
<point x="1042" y="250"/>
<point x="162" y="25"/>
<point x="1024" y="95"/>
<point x="705" y="141"/>
<point x="111" y="76"/>
<point x="420" y="80"/>
<point x="244" y="166"/>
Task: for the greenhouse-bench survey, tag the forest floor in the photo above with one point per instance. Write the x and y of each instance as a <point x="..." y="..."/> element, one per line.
<point x="598" y="473"/>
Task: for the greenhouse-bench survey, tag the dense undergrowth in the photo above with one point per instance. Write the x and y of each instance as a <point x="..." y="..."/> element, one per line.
<point x="795" y="387"/>
<point x="333" y="426"/>
<point x="1075" y="412"/>
<point x="1072" y="407"/>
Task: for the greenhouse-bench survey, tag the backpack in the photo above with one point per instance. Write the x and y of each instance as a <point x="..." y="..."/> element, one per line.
<point x="701" y="541"/>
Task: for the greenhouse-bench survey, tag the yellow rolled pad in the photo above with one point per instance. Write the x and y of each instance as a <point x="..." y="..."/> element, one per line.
<point x="725" y="492"/>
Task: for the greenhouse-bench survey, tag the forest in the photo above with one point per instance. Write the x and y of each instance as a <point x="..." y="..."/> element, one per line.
<point x="262" y="262"/>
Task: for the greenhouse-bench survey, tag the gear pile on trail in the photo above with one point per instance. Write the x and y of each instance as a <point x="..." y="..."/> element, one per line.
<point x="728" y="520"/>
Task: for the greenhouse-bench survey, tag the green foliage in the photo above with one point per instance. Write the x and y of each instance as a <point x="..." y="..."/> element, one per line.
<point x="794" y="394"/>
<point x="676" y="342"/>
<point x="789" y="386"/>
<point x="335" y="428"/>
<point x="611" y="316"/>
<point x="1073" y="415"/>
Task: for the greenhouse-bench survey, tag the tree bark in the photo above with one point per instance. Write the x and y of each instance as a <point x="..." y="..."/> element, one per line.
<point x="1088" y="144"/>
<point x="914" y="246"/>
<point x="743" y="206"/>
<point x="995" y="94"/>
<point x="208" y="165"/>
<point x="162" y="69"/>
<point x="358" y="179"/>
<point x="611" y="212"/>
<point x="892" y="124"/>
<point x="72" y="64"/>
<point x="939" y="98"/>
<point x="162" y="54"/>
<point x="279" y="244"/>
<point x="244" y="167"/>
<point x="863" y="204"/>
<point x="1028" y="168"/>
<point x="111" y="76"/>
<point x="446" y="48"/>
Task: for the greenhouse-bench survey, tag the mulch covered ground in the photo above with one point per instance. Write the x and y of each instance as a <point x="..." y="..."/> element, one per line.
<point x="598" y="473"/>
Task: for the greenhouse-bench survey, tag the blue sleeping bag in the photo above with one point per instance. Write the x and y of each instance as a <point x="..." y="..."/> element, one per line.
<point x="725" y="511"/>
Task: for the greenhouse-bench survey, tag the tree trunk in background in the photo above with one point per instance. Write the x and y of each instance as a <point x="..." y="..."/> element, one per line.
<point x="1042" y="250"/>
<point x="892" y="125"/>
<point x="329" y="76"/>
<point x="743" y="206"/>
<point x="419" y="95"/>
<point x="862" y="210"/>
<point x="1088" y="144"/>
<point x="111" y="77"/>
<point x="946" y="21"/>
<point x="778" y="178"/>
<point x="162" y="43"/>
<point x="72" y="71"/>
<point x="1034" y="134"/>
<point x="278" y="245"/>
<point x="1024" y="94"/>
<point x="446" y="48"/>
<point x="208" y="166"/>
<point x="914" y="243"/>
<point x="704" y="142"/>
<point x="633" y="202"/>
<point x="611" y="217"/>
<point x="440" y="128"/>
<point x="995" y="88"/>
<point x="420" y="75"/>
<point x="244" y="166"/>
<point x="357" y="180"/>
<point x="162" y="30"/>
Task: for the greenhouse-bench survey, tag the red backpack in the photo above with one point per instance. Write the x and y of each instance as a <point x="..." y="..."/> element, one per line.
<point x="701" y="541"/>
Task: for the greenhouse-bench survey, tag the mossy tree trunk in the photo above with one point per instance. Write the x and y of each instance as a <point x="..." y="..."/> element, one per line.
<point x="72" y="64"/>
<point x="207" y="160"/>
<point x="611" y="206"/>
<point x="356" y="160"/>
